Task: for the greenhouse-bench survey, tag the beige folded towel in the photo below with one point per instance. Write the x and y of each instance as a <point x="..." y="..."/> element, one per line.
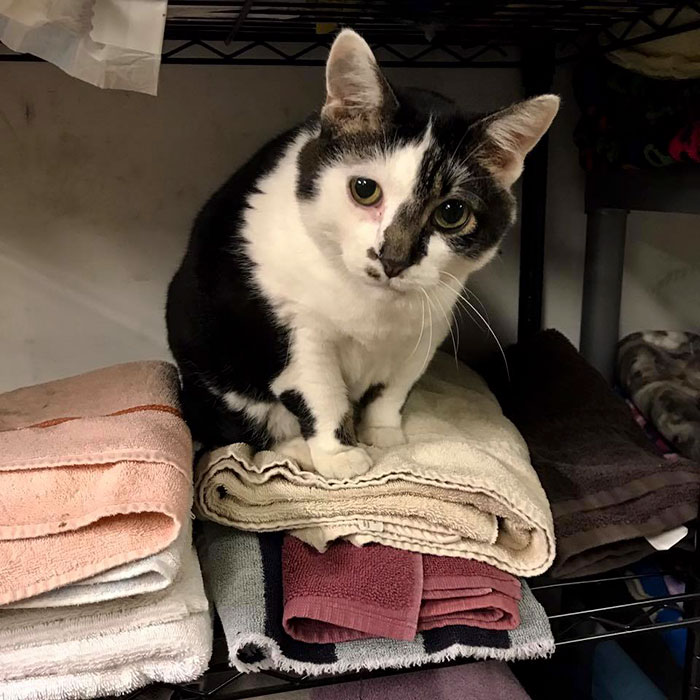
<point x="462" y="486"/>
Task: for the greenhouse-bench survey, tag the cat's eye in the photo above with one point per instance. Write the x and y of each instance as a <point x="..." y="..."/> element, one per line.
<point x="365" y="191"/>
<point x="452" y="214"/>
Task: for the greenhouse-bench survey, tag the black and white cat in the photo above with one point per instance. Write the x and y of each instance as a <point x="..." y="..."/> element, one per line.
<point x="320" y="279"/>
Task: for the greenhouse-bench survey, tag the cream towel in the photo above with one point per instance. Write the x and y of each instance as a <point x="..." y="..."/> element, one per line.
<point x="462" y="486"/>
<point x="107" y="648"/>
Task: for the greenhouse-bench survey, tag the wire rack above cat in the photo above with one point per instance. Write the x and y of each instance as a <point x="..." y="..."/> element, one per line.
<point x="411" y="33"/>
<point x="416" y="33"/>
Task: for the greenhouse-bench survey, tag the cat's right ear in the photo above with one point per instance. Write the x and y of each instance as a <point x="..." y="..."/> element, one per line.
<point x="358" y="97"/>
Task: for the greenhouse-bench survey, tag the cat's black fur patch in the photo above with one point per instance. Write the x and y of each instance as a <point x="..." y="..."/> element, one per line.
<point x="345" y="432"/>
<point x="295" y="403"/>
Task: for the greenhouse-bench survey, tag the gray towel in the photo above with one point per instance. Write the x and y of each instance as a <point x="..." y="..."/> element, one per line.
<point x="244" y="576"/>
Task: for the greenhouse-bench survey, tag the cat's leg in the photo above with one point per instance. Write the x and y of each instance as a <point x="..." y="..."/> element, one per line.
<point x="313" y="389"/>
<point x="381" y="419"/>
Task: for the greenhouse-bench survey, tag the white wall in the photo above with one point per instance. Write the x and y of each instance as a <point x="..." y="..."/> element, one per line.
<point x="98" y="191"/>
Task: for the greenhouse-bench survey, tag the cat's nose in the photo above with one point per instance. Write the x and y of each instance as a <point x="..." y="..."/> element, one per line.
<point x="392" y="267"/>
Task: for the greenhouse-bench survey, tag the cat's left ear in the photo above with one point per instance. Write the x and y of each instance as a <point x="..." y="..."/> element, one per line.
<point x="358" y="96"/>
<point x="513" y="132"/>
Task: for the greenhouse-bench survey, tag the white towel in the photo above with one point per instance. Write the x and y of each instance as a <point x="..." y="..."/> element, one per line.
<point x="146" y="575"/>
<point x="109" y="648"/>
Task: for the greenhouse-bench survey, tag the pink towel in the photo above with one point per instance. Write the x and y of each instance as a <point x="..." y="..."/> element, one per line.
<point x="95" y="472"/>
<point x="351" y="593"/>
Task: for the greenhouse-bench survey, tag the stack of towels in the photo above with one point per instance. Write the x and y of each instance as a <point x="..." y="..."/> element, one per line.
<point x="416" y="561"/>
<point x="100" y="588"/>
<point x="611" y="488"/>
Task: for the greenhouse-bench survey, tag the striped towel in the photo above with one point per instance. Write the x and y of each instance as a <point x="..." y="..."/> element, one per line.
<point x="244" y="576"/>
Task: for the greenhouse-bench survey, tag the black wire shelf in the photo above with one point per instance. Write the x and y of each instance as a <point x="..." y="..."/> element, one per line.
<point x="411" y="33"/>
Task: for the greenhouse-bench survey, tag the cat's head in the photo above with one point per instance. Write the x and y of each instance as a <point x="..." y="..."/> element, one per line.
<point x="400" y="187"/>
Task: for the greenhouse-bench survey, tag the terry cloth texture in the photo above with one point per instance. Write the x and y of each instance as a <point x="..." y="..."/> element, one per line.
<point x="108" y="648"/>
<point x="147" y="575"/>
<point x="462" y="486"/>
<point x="244" y="576"/>
<point x="608" y="485"/>
<point x="350" y="593"/>
<point x="660" y="372"/>
<point x="106" y="458"/>
<point x="486" y="680"/>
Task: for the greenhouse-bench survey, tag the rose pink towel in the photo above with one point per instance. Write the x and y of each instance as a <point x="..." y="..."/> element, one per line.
<point x="95" y="472"/>
<point x="350" y="593"/>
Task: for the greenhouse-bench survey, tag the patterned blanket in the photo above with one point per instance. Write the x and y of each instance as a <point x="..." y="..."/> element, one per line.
<point x="660" y="372"/>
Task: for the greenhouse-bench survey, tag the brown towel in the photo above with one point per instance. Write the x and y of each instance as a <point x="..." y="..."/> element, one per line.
<point x="609" y="487"/>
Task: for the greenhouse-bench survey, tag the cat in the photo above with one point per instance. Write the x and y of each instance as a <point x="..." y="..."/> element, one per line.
<point x="320" y="279"/>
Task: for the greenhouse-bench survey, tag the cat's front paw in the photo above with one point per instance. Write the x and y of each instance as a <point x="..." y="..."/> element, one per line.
<point x="341" y="465"/>
<point x="380" y="436"/>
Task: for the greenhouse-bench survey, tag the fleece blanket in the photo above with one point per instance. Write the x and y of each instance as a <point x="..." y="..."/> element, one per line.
<point x="350" y="593"/>
<point x="109" y="648"/>
<point x="243" y="572"/>
<point x="106" y="459"/>
<point x="462" y="486"/>
<point x="609" y="486"/>
<point x="660" y="372"/>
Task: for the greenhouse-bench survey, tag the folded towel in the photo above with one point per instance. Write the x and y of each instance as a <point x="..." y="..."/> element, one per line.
<point x="106" y="459"/>
<point x="109" y="648"/>
<point x="608" y="485"/>
<point x="244" y="576"/>
<point x="146" y="575"/>
<point x="660" y="371"/>
<point x="485" y="680"/>
<point x="353" y="592"/>
<point x="467" y="592"/>
<point x="463" y="485"/>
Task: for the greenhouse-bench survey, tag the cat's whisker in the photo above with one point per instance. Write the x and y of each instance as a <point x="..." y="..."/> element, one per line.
<point x="469" y="291"/>
<point x="492" y="332"/>
<point x="430" y="342"/>
<point x="422" y="327"/>
<point x="449" y="326"/>
<point x="459" y="301"/>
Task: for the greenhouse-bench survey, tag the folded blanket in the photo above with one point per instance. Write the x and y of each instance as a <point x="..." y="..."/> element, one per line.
<point x="106" y="459"/>
<point x="660" y="371"/>
<point x="463" y="485"/>
<point x="608" y="485"/>
<point x="352" y="593"/>
<point x="108" y="648"/>
<point x="244" y="576"/>
<point x="487" y="680"/>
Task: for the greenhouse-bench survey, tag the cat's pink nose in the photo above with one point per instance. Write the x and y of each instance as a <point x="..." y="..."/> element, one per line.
<point x="392" y="268"/>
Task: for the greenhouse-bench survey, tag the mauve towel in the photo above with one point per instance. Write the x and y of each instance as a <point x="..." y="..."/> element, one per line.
<point x="350" y="593"/>
<point x="467" y="592"/>
<point x="95" y="472"/>
<point x="609" y="487"/>
<point x="485" y="680"/>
